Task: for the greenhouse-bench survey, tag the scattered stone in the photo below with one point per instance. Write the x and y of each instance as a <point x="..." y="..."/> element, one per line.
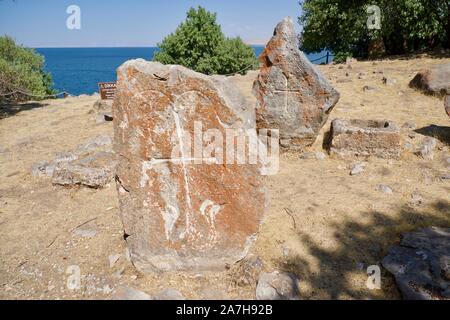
<point x="292" y="94"/>
<point x="85" y="232"/>
<point x="426" y="150"/>
<point x="365" y="138"/>
<point x="127" y="293"/>
<point x="362" y="76"/>
<point x="385" y="189"/>
<point x="433" y="81"/>
<point x="320" y="156"/>
<point x="246" y="272"/>
<point x="447" y="104"/>
<point x="169" y="295"/>
<point x="101" y="141"/>
<point x="113" y="259"/>
<point x="357" y="169"/>
<point x="307" y="156"/>
<point x="369" y="89"/>
<point x="389" y="81"/>
<point x="278" y="286"/>
<point x="94" y="171"/>
<point x="103" y="106"/>
<point x="103" y="118"/>
<point x="178" y="215"/>
<point x="213" y="294"/>
<point x="344" y="80"/>
<point x="409" y="125"/>
<point x="416" y="199"/>
<point x="420" y="264"/>
<point x="43" y="169"/>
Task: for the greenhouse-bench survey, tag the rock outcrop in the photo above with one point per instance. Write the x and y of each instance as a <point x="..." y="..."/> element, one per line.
<point x="184" y="210"/>
<point x="421" y="264"/>
<point x="433" y="81"/>
<point x="292" y="94"/>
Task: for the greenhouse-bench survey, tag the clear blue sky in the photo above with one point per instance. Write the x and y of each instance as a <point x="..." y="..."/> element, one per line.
<point x="116" y="23"/>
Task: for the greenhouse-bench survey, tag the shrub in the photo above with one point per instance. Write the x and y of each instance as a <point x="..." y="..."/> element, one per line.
<point x="21" y="70"/>
<point x="199" y="44"/>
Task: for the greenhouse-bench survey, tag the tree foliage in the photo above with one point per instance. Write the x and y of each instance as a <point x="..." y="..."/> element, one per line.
<point x="21" y="70"/>
<point x="199" y="44"/>
<point x="406" y="26"/>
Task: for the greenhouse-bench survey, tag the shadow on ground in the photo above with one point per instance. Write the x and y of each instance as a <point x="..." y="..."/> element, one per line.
<point x="361" y="245"/>
<point x="9" y="110"/>
<point x="439" y="132"/>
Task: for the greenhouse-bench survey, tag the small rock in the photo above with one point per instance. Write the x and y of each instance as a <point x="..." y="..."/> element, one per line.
<point x="103" y="118"/>
<point x="357" y="169"/>
<point x="362" y="76"/>
<point x="94" y="144"/>
<point x="369" y="89"/>
<point x="127" y="293"/>
<point x="389" y="81"/>
<point x="426" y="151"/>
<point x="409" y="125"/>
<point x="416" y="199"/>
<point x="385" y="189"/>
<point x="85" y="233"/>
<point x="278" y="286"/>
<point x="169" y="295"/>
<point x="246" y="271"/>
<point x="308" y="156"/>
<point x="344" y="80"/>
<point x="43" y="169"/>
<point x="211" y="294"/>
<point x="320" y="156"/>
<point x="103" y="105"/>
<point x="113" y="259"/>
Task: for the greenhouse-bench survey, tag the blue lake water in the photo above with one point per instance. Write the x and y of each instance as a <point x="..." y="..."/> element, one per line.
<point x="79" y="70"/>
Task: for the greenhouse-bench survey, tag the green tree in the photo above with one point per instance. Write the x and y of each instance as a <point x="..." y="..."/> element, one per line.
<point x="406" y="26"/>
<point x="21" y="70"/>
<point x="199" y="44"/>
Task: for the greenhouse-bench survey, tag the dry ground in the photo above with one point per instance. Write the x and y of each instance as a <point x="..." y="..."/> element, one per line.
<point x="323" y="224"/>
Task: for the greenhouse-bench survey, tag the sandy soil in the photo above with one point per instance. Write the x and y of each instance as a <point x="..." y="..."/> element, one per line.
<point x="323" y="224"/>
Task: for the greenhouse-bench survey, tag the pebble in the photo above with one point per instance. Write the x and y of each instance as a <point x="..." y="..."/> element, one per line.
<point x="385" y="189"/>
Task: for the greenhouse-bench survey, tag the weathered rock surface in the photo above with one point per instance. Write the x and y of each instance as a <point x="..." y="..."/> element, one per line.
<point x="278" y="286"/>
<point x="365" y="138"/>
<point x="292" y="94"/>
<point x="169" y="295"/>
<point x="103" y="106"/>
<point x="181" y="210"/>
<point x="246" y="272"/>
<point x="127" y="293"/>
<point x="447" y="105"/>
<point x="433" y="81"/>
<point x="421" y="264"/>
<point x="427" y="148"/>
<point x="94" y="171"/>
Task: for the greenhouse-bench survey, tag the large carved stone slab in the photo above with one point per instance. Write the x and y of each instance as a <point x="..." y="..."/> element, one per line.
<point x="183" y="211"/>
<point x="365" y="138"/>
<point x="292" y="94"/>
